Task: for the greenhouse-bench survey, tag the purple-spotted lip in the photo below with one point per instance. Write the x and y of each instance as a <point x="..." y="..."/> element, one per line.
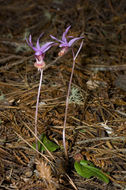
<point x="40" y="64"/>
<point x="63" y="51"/>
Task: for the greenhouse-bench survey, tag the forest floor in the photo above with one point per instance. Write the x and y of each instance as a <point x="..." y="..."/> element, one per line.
<point x="96" y="121"/>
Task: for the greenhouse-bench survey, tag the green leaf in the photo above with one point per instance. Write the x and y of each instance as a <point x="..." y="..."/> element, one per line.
<point x="51" y="146"/>
<point x="82" y="130"/>
<point x="87" y="169"/>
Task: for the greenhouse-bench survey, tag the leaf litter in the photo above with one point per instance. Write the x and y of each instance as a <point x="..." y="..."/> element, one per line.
<point x="101" y="64"/>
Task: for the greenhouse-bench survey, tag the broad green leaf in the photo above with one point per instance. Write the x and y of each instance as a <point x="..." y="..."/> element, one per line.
<point x="51" y="146"/>
<point x="87" y="169"/>
<point x="82" y="171"/>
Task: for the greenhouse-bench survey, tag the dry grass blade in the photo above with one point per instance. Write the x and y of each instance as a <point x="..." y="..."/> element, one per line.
<point x="122" y="138"/>
<point x="71" y="182"/>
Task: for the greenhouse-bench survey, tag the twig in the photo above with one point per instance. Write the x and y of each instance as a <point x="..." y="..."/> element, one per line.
<point x="101" y="139"/>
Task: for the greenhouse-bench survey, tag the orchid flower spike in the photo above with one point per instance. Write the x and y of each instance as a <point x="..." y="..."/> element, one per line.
<point x="39" y="51"/>
<point x="64" y="44"/>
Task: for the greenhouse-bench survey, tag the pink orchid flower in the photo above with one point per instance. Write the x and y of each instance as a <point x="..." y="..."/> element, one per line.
<point x="64" y="44"/>
<point x="39" y="51"/>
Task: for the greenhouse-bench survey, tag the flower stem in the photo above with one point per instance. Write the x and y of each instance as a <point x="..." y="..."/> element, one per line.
<point x="37" y="103"/>
<point x="66" y="110"/>
<point x="67" y="98"/>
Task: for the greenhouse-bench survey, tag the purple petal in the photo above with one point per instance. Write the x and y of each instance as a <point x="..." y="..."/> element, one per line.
<point x="70" y="37"/>
<point x="55" y="39"/>
<point x="30" y="43"/>
<point x="37" y="44"/>
<point x="27" y="41"/>
<point x="64" y="45"/>
<point x="30" y="39"/>
<point x="46" y="46"/>
<point x="38" y="52"/>
<point x="73" y="40"/>
<point x="35" y="49"/>
<point x="64" y="34"/>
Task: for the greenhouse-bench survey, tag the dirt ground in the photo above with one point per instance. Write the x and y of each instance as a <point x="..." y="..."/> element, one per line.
<point x="96" y="122"/>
